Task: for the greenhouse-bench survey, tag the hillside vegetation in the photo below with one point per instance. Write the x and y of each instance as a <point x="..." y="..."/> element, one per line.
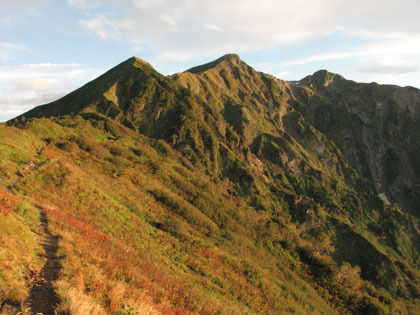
<point x="220" y="190"/>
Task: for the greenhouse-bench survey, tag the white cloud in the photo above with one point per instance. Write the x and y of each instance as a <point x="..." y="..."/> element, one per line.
<point x="393" y="59"/>
<point x="208" y="27"/>
<point x="83" y="4"/>
<point x="282" y="74"/>
<point x="6" y="21"/>
<point x="387" y="57"/>
<point x="41" y="85"/>
<point x="18" y="11"/>
<point x="10" y="108"/>
<point x="8" y="50"/>
<point x="26" y="86"/>
<point x="101" y="26"/>
<point x="388" y="69"/>
<point x="317" y="58"/>
<point x="246" y="24"/>
<point x="147" y="4"/>
<point x="213" y="27"/>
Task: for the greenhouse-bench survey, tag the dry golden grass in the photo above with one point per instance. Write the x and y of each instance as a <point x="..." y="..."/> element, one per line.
<point x="105" y="260"/>
<point x="76" y="301"/>
<point x="8" y="202"/>
<point x="19" y="255"/>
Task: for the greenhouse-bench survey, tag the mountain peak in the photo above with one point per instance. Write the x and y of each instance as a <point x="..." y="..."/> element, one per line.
<point x="324" y="74"/>
<point x="226" y="60"/>
<point x="230" y="57"/>
<point x="321" y="79"/>
<point x="135" y="62"/>
<point x="92" y="93"/>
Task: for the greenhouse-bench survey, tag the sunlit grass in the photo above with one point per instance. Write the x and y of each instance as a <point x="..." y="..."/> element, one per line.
<point x="219" y="226"/>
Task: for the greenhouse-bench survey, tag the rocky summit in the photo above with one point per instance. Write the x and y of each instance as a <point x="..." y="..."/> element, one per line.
<point x="219" y="190"/>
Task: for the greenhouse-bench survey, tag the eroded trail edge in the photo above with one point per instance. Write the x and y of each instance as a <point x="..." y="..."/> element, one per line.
<point x="43" y="298"/>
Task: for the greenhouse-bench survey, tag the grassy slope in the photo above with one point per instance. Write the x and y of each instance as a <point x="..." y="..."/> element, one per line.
<point x="127" y="234"/>
<point x="140" y="226"/>
<point x="260" y="213"/>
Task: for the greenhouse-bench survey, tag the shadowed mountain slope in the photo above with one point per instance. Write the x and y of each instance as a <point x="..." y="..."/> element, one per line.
<point x="375" y="126"/>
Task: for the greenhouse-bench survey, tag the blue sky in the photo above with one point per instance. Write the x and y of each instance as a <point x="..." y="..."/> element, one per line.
<point x="50" y="47"/>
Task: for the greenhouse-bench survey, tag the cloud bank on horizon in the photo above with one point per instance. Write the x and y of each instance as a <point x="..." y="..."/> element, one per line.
<point x="48" y="48"/>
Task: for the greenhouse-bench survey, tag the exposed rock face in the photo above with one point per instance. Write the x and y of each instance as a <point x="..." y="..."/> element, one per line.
<point x="375" y="126"/>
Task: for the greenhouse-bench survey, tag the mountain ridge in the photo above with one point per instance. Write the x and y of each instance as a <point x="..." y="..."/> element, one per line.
<point x="229" y="79"/>
<point x="237" y="192"/>
<point x="230" y="59"/>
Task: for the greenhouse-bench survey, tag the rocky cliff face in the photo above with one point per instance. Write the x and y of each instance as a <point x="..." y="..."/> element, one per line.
<point x="375" y="126"/>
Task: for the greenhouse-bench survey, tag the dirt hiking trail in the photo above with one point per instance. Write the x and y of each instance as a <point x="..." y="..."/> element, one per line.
<point x="43" y="298"/>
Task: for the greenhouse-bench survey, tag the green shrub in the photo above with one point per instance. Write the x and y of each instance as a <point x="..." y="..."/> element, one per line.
<point x="125" y="310"/>
<point x="119" y="150"/>
<point x="172" y="225"/>
<point x="370" y="306"/>
<point x="29" y="213"/>
<point x="68" y="146"/>
<point x="179" y="206"/>
<point x="86" y="142"/>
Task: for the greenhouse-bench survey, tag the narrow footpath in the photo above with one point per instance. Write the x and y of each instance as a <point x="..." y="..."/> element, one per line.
<point x="43" y="298"/>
